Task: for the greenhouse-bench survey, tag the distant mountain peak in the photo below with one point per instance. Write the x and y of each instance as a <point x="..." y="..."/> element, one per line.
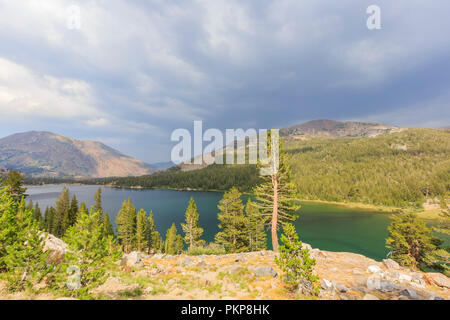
<point x="46" y="154"/>
<point x="333" y="128"/>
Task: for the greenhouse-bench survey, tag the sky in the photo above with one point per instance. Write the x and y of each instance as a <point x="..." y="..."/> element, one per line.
<point x="127" y="73"/>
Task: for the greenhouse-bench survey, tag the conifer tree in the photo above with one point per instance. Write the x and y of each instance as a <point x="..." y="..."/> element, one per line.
<point x="233" y="237"/>
<point x="276" y="195"/>
<point x="50" y="220"/>
<point x="410" y="240"/>
<point x="37" y="215"/>
<point x="14" y="181"/>
<point x="21" y="245"/>
<point x="296" y="262"/>
<point x="8" y="223"/>
<point x="81" y="209"/>
<point x="126" y="226"/>
<point x="444" y="218"/>
<point x="30" y="205"/>
<point x="153" y="243"/>
<point x="157" y="242"/>
<point x="162" y="244"/>
<point x="142" y="230"/>
<point x="73" y="211"/>
<point x="89" y="249"/>
<point x="108" y="229"/>
<point x="62" y="212"/>
<point x="174" y="241"/>
<point x="98" y="203"/>
<point x="441" y="257"/>
<point x="191" y="228"/>
<point x="257" y="238"/>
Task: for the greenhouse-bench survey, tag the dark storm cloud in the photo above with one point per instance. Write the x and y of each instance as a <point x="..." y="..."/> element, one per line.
<point x="137" y="70"/>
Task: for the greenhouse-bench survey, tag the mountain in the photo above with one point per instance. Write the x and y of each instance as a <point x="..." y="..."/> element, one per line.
<point x="162" y="165"/>
<point x="324" y="128"/>
<point x="337" y="129"/>
<point x="403" y="169"/>
<point x="45" y="154"/>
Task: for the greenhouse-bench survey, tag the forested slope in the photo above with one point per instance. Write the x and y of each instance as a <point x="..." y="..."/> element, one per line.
<point x="399" y="169"/>
<point x="213" y="177"/>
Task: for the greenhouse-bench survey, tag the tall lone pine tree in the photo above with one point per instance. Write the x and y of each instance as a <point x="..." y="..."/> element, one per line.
<point x="276" y="195"/>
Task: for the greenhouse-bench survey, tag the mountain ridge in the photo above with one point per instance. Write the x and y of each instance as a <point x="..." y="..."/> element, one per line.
<point x="338" y="129"/>
<point x="46" y="154"/>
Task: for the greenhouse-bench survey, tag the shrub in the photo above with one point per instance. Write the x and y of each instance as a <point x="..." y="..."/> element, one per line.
<point x="210" y="249"/>
<point x="296" y="262"/>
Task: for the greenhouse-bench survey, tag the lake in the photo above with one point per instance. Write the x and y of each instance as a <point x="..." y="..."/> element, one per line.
<point x="328" y="227"/>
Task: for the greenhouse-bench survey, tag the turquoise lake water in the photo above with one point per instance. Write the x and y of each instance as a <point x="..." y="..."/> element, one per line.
<point x="328" y="227"/>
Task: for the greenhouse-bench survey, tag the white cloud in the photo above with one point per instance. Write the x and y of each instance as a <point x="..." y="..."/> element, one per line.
<point x="24" y="93"/>
<point x="100" y="122"/>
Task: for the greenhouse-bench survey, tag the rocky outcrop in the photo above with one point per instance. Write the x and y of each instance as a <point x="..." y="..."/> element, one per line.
<point x="438" y="279"/>
<point x="255" y="275"/>
<point x="132" y="259"/>
<point x="56" y="247"/>
<point x="114" y="288"/>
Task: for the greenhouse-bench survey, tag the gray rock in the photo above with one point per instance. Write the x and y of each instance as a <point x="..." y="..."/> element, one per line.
<point x="409" y="293"/>
<point x="404" y="278"/>
<point x="340" y="287"/>
<point x="325" y="284"/>
<point x="391" y="264"/>
<point x="235" y="269"/>
<point x="202" y="264"/>
<point x="187" y="262"/>
<point x="265" y="271"/>
<point x="387" y="286"/>
<point x="373" y="283"/>
<point x="133" y="259"/>
<point x="56" y="248"/>
<point x="391" y="275"/>
<point x="436" y="298"/>
<point x="305" y="287"/>
<point x="374" y="269"/>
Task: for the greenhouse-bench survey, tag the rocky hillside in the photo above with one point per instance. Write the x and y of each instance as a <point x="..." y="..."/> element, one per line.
<point x="336" y="129"/>
<point x="45" y="154"/>
<point x="253" y="275"/>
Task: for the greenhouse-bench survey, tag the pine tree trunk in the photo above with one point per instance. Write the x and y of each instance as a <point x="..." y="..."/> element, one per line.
<point x="275" y="214"/>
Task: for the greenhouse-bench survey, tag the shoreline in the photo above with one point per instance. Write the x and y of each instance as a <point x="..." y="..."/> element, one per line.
<point x="431" y="215"/>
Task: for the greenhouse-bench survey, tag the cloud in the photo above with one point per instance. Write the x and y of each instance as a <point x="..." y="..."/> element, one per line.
<point x="145" y="68"/>
<point x="26" y="94"/>
<point x="100" y="122"/>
